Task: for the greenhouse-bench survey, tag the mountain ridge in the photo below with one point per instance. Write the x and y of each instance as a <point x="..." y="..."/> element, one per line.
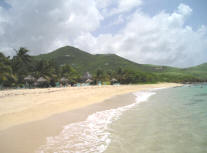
<point x="84" y="61"/>
<point x="68" y="55"/>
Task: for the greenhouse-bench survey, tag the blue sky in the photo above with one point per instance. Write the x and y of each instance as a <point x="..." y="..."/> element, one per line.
<point x="197" y="18"/>
<point x="145" y="31"/>
<point x="3" y="4"/>
<point x="152" y="7"/>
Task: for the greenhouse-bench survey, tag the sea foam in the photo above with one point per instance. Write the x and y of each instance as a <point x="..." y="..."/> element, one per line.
<point x="91" y="135"/>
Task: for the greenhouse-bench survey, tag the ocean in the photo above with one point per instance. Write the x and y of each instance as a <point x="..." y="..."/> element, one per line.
<point x="170" y="120"/>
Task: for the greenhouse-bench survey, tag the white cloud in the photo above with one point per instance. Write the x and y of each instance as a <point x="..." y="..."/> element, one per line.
<point x="45" y="25"/>
<point x="163" y="39"/>
<point x="184" y="9"/>
<point x="125" y="6"/>
<point x="113" y="7"/>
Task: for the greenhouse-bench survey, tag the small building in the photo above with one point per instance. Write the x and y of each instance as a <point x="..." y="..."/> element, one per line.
<point x="86" y="76"/>
<point x="42" y="82"/>
<point x="64" y="81"/>
<point x="89" y="81"/>
<point x="114" y="81"/>
<point x="29" y="81"/>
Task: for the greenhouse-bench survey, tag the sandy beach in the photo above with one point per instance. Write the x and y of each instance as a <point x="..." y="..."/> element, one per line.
<point x="28" y="117"/>
<point x="22" y="106"/>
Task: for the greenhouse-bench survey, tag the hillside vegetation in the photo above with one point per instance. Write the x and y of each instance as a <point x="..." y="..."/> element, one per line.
<point x="69" y="63"/>
<point x="83" y="61"/>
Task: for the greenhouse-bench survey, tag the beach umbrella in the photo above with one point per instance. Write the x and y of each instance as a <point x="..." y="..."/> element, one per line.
<point x="42" y="82"/>
<point x="29" y="78"/>
<point x="113" y="80"/>
<point x="41" y="79"/>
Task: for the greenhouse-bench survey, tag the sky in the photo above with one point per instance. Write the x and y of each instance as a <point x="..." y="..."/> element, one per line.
<point x="160" y="32"/>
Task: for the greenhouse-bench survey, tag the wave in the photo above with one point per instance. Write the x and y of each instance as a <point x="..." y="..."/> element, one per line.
<point x="91" y="135"/>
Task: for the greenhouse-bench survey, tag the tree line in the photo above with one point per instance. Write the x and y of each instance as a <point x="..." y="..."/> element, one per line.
<point x="14" y="70"/>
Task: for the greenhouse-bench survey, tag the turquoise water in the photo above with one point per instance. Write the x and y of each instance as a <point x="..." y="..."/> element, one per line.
<point x="159" y="121"/>
<point x="172" y="121"/>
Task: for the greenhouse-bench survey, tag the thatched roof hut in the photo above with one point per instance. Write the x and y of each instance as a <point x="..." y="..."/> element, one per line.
<point x="89" y="81"/>
<point x="41" y="80"/>
<point x="113" y="80"/>
<point x="64" y="80"/>
<point x="87" y="76"/>
<point x="29" y="78"/>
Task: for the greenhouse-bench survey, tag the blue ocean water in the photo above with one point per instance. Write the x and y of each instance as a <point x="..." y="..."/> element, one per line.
<point x="171" y="121"/>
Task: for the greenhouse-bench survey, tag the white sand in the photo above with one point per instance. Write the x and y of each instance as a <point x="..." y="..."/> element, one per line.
<point x="22" y="106"/>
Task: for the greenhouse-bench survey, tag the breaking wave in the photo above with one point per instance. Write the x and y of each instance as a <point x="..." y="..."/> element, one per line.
<point x="91" y="135"/>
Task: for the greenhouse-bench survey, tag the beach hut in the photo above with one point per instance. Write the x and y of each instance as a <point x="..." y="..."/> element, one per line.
<point x="88" y="81"/>
<point x="29" y="80"/>
<point x="86" y="76"/>
<point x="42" y="82"/>
<point x="41" y="79"/>
<point x="64" y="81"/>
<point x="113" y="81"/>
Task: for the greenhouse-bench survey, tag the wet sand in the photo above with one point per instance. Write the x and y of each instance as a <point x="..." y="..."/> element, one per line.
<point x="26" y="138"/>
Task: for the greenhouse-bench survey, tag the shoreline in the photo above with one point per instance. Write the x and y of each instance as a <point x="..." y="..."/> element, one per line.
<point x="29" y="136"/>
<point x="19" y="107"/>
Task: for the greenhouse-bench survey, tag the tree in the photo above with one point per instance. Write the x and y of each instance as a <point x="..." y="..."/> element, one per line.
<point x="20" y="64"/>
<point x="70" y="73"/>
<point x="45" y="68"/>
<point x="101" y="76"/>
<point x="6" y="75"/>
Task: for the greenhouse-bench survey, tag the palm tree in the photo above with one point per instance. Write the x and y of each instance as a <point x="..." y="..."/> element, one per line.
<point x="70" y="73"/>
<point x="23" y="55"/>
<point x="6" y="76"/>
<point x="47" y="69"/>
<point x="42" y="68"/>
<point x="21" y="58"/>
<point x="20" y="63"/>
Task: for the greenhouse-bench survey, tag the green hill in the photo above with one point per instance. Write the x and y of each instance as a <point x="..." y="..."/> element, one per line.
<point x="83" y="61"/>
<point x="103" y="67"/>
<point x="199" y="71"/>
